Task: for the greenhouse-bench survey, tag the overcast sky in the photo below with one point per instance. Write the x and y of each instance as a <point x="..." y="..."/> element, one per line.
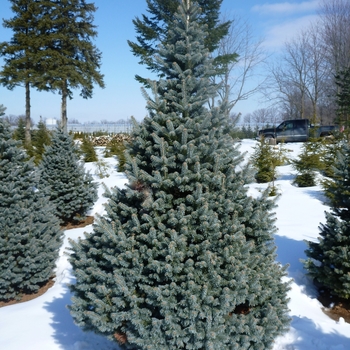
<point x="275" y="21"/>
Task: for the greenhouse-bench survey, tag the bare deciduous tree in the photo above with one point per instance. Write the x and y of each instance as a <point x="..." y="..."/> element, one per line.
<point x="250" y="55"/>
<point x="335" y="19"/>
<point x="300" y="78"/>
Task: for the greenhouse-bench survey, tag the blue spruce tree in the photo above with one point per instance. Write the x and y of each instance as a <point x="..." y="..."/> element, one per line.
<point x="329" y="263"/>
<point x="65" y="180"/>
<point x="30" y="236"/>
<point x="183" y="257"/>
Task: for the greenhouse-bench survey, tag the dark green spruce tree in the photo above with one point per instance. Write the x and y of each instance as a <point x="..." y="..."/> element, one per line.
<point x="309" y="162"/>
<point x="19" y="133"/>
<point x="63" y="176"/>
<point x="88" y="150"/>
<point x="71" y="59"/>
<point x="30" y="236"/>
<point x="329" y="263"/>
<point x="183" y="257"/>
<point x="22" y="53"/>
<point x="41" y="138"/>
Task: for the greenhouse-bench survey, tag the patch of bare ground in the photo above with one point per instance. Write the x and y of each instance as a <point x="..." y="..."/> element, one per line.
<point x="334" y="307"/>
<point x="81" y="223"/>
<point x="26" y="297"/>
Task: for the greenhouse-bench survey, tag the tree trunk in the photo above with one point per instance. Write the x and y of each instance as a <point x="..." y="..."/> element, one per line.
<point x="64" y="107"/>
<point x="27" y="131"/>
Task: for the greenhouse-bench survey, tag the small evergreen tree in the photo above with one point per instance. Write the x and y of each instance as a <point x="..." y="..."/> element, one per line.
<point x="30" y="235"/>
<point x="41" y="138"/>
<point x="266" y="159"/>
<point x="183" y="258"/>
<point x="328" y="262"/>
<point x="19" y="133"/>
<point x="263" y="159"/>
<point x="308" y="163"/>
<point x="88" y="150"/>
<point x="69" y="186"/>
<point x="116" y="147"/>
<point x="331" y="148"/>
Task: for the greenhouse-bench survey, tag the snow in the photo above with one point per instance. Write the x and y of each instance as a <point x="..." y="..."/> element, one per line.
<point x="45" y="322"/>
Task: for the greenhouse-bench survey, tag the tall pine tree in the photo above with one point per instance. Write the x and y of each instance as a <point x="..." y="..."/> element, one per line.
<point x="64" y="179"/>
<point x="30" y="235"/>
<point x="183" y="257"/>
<point x="71" y="60"/>
<point x="22" y="54"/>
<point x="329" y="260"/>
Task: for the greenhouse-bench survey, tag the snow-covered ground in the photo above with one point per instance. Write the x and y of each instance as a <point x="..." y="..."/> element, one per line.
<point x="45" y="322"/>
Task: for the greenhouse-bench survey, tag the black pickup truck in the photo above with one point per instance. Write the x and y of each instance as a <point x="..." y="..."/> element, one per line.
<point x="296" y="130"/>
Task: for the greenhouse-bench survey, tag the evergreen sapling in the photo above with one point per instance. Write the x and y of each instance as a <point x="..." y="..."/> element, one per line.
<point x="309" y="162"/>
<point x="40" y="139"/>
<point x="328" y="262"/>
<point x="63" y="176"/>
<point x="88" y="150"/>
<point x="183" y="257"/>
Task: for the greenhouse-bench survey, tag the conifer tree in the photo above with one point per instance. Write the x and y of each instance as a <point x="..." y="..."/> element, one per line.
<point x="309" y="162"/>
<point x="116" y="147"/>
<point x="65" y="180"/>
<point x="342" y="81"/>
<point x="30" y="235"/>
<point x="183" y="257"/>
<point x="2" y="110"/>
<point x="153" y="30"/>
<point x="19" y="133"/>
<point x="264" y="159"/>
<point x="88" y="150"/>
<point x="41" y="138"/>
<point x="22" y="54"/>
<point x="71" y="60"/>
<point x="328" y="262"/>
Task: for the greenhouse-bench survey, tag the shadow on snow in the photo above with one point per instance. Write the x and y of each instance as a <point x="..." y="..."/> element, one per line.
<point x="67" y="334"/>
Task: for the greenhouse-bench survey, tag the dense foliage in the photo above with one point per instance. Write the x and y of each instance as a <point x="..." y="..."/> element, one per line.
<point x="30" y="235"/>
<point x="309" y="162"/>
<point x="41" y="137"/>
<point x="51" y="49"/>
<point x="23" y="53"/>
<point x="88" y="150"/>
<point x="183" y="257"/>
<point x="328" y="262"/>
<point x="343" y="98"/>
<point x="65" y="180"/>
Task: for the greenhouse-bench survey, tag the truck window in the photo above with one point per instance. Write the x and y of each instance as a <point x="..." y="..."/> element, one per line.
<point x="281" y="126"/>
<point x="287" y="125"/>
